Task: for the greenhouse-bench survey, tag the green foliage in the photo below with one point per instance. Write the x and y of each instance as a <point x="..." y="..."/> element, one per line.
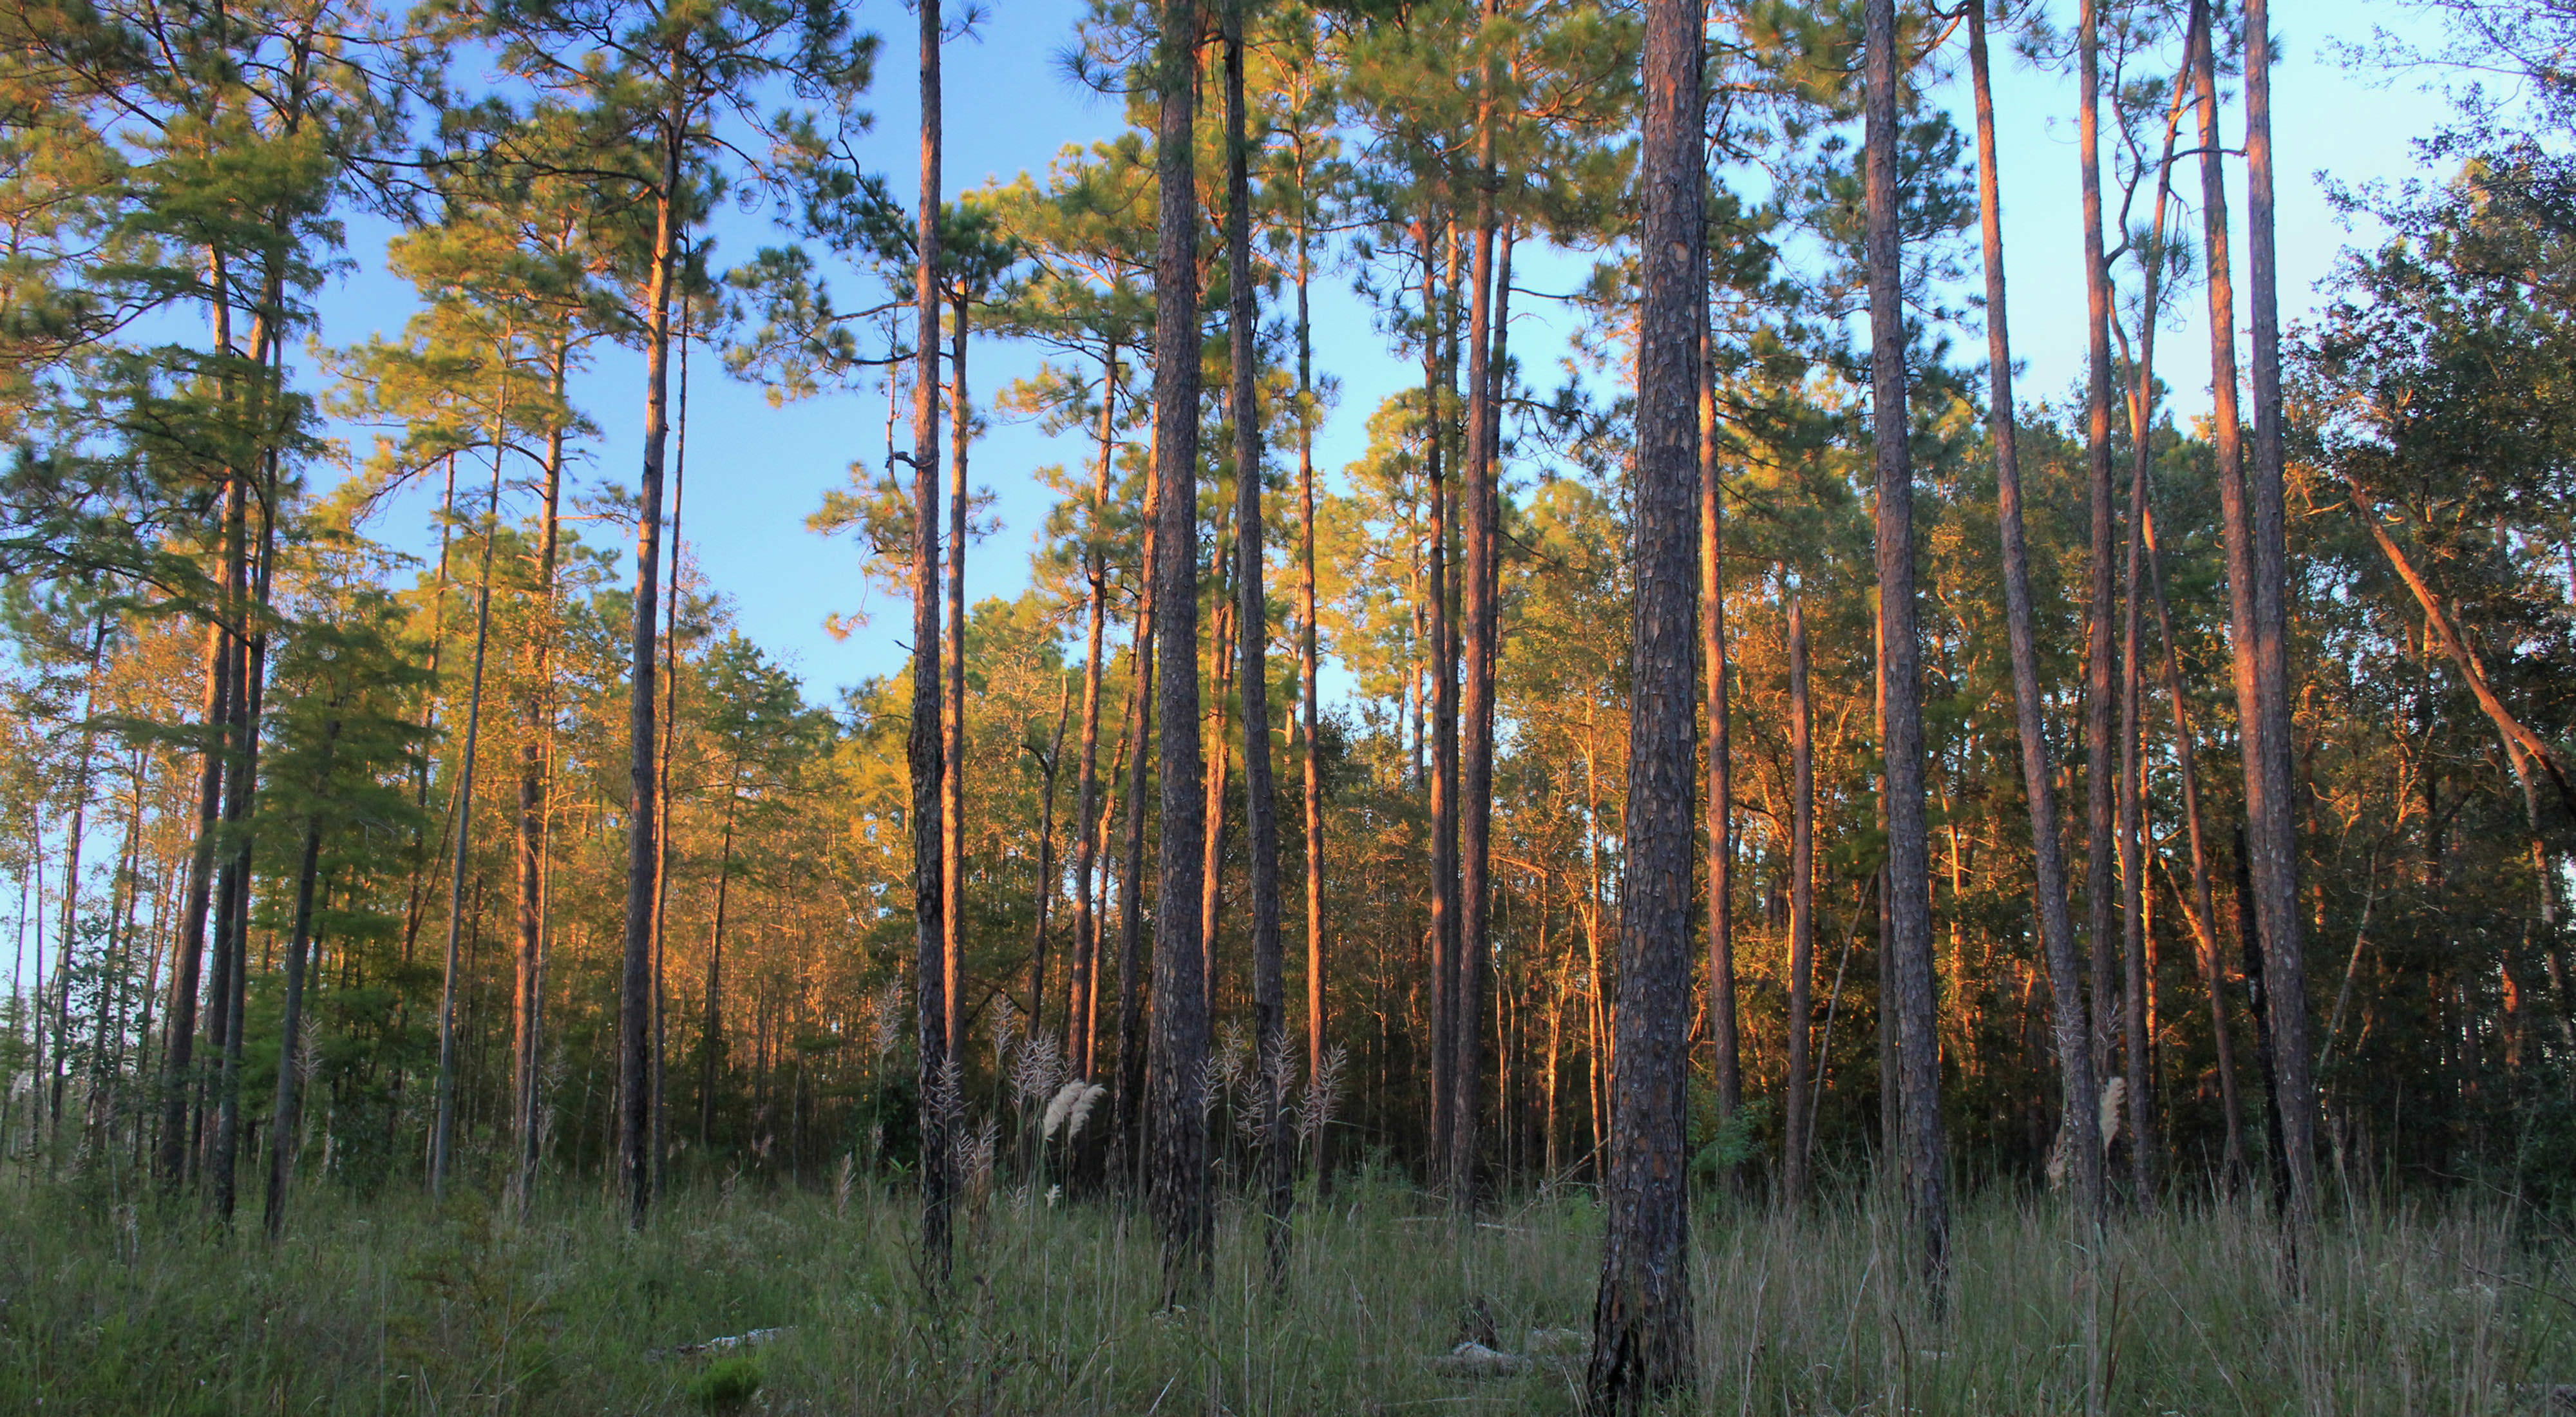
<point x="396" y="1307"/>
<point x="726" y="1385"/>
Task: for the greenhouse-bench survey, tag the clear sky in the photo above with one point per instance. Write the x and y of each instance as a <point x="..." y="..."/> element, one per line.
<point x="754" y="472"/>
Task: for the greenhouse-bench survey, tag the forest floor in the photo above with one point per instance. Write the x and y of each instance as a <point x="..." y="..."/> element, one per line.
<point x="396" y="1306"/>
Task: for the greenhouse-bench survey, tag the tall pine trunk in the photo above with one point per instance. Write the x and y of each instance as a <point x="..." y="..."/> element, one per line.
<point x="1131" y="875"/>
<point x="925" y="750"/>
<point x="2227" y="433"/>
<point x="1179" y="1178"/>
<point x="2076" y="1078"/>
<point x="952" y="762"/>
<point x="1802" y="910"/>
<point x="644" y="825"/>
<point x="1909" y="882"/>
<point x="1721" y="769"/>
<point x="1477" y="585"/>
<point x="1308" y="657"/>
<point x="1642" y="1330"/>
<point x="527" y="1011"/>
<point x="443" y="1125"/>
<point x="2259" y="610"/>
<point x="2101" y="689"/>
<point x="1252" y="633"/>
<point x="1443" y="717"/>
<point x="1079" y="1029"/>
<point x="284" y="1128"/>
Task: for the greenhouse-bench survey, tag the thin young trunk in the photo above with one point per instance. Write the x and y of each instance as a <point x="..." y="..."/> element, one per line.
<point x="2198" y="907"/>
<point x="443" y="1125"/>
<point x="2259" y="605"/>
<point x="527" y="999"/>
<point x="2226" y="429"/>
<point x="290" y="1029"/>
<point x="1252" y="633"/>
<point x="69" y="935"/>
<point x="1131" y="876"/>
<point x="2133" y="898"/>
<point x="1045" y="891"/>
<point x="1475" y="780"/>
<point x="928" y="742"/>
<point x="1078" y="1026"/>
<point x="1909" y="884"/>
<point x="1642" y="1329"/>
<point x="1443" y="722"/>
<point x="711" y="1024"/>
<point x="1721" y="770"/>
<point x="2076" y="1078"/>
<point x="1802" y="909"/>
<point x="643" y="821"/>
<point x="661" y="1115"/>
<point x="2101" y="692"/>
<point x="1308" y="657"/>
<point x="952" y="762"/>
<point x="234" y="941"/>
<point x="1220" y="759"/>
<point x="1180" y="1032"/>
<point x="178" y="1071"/>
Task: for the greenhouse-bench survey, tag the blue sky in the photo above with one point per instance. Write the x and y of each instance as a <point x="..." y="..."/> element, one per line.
<point x="755" y="472"/>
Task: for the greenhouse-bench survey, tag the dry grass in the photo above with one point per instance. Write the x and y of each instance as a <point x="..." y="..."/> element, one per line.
<point x="391" y="1307"/>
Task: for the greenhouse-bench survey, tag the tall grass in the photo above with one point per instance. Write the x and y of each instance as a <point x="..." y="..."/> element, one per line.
<point x="395" y="1307"/>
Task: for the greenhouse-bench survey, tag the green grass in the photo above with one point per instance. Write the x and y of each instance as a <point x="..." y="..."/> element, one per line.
<point x="396" y="1307"/>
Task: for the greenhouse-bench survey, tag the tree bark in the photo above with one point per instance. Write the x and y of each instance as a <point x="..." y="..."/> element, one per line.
<point x="535" y="753"/>
<point x="1308" y="659"/>
<point x="1252" y="633"/>
<point x="1478" y="547"/>
<point x="290" y="1029"/>
<point x="711" y="1024"/>
<point x="1909" y="884"/>
<point x="178" y="1067"/>
<point x="1642" y="1339"/>
<point x="443" y="1125"/>
<point x="2076" y="1078"/>
<point x="1078" y="1027"/>
<point x="1721" y="767"/>
<point x="1180" y="1033"/>
<point x="1131" y="922"/>
<point x="952" y="763"/>
<point x="927" y="745"/>
<point x="1802" y="911"/>
<point x="1444" y="718"/>
<point x="2259" y="609"/>
<point x="644" y="826"/>
<point x="2101" y="690"/>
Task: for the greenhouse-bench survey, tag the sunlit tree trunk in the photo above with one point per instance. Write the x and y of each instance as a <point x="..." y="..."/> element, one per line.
<point x="1802" y="910"/>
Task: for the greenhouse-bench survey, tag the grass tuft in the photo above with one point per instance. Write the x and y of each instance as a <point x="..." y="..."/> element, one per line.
<point x="394" y="1306"/>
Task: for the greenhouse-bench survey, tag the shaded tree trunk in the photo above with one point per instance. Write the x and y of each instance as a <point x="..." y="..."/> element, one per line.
<point x="925" y="750"/>
<point x="1079" y="1030"/>
<point x="1909" y="884"/>
<point x="2101" y="691"/>
<point x="1180" y="1030"/>
<point x="2258" y="593"/>
<point x="644" y="824"/>
<point x="1642" y="1328"/>
<point x="2076" y="1077"/>
<point x="1252" y="631"/>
